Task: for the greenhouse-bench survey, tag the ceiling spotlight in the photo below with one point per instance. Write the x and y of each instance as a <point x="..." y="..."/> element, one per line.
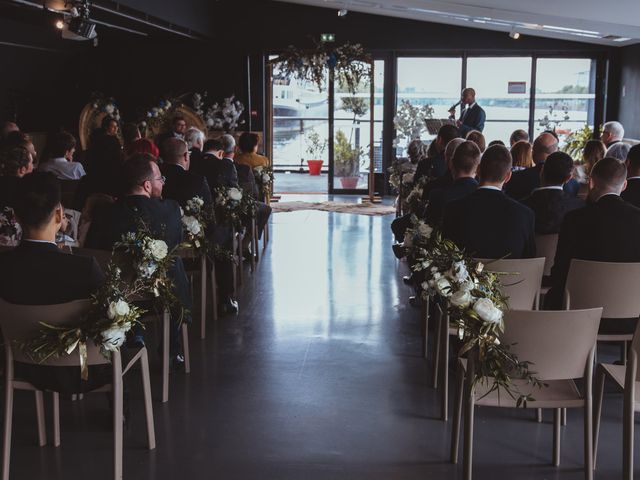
<point x="342" y="12"/>
<point x="59" y="24"/>
<point x="515" y="35"/>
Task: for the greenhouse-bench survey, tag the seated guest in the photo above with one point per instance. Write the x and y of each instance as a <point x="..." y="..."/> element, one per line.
<point x="631" y="194"/>
<point x="195" y="141"/>
<point x="142" y="146"/>
<point x="61" y="149"/>
<point x="517" y="136"/>
<point x="416" y="151"/>
<point x="496" y="142"/>
<point x="606" y="230"/>
<point x="181" y="184"/>
<point x="477" y="138"/>
<point x="111" y="126"/>
<point x="42" y="274"/>
<point x="592" y="153"/>
<point x="130" y="133"/>
<point x="178" y="129"/>
<point x="248" y="143"/>
<point x="463" y="169"/>
<point x="618" y="151"/>
<point x="434" y="166"/>
<point x="522" y="155"/>
<point x="17" y="139"/>
<point x="550" y="202"/>
<point x="15" y="163"/>
<point x="612" y="132"/>
<point x="142" y="200"/>
<point x="218" y="170"/>
<point x="487" y="223"/>
<point x="524" y="182"/>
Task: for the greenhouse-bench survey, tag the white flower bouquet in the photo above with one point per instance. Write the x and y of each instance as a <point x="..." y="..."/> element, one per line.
<point x="264" y="179"/>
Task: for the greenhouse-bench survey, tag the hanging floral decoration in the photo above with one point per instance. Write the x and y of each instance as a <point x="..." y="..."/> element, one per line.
<point x="349" y="62"/>
<point x="232" y="206"/>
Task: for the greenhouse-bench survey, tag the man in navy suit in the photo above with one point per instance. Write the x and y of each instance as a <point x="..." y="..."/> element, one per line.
<point x="472" y="116"/>
<point x="487" y="223"/>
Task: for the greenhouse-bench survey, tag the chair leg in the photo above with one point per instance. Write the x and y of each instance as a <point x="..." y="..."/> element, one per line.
<point x="436" y="353"/>
<point x="588" y="438"/>
<point x="425" y="325"/>
<point x="468" y="428"/>
<point x="557" y="414"/>
<point x="203" y="296"/>
<point x="597" y="411"/>
<point x="56" y="419"/>
<point x="40" y="417"/>
<point x="564" y="417"/>
<point x="444" y="373"/>
<point x="539" y="415"/>
<point x="185" y="348"/>
<point x="148" y="405"/>
<point x="628" y="417"/>
<point x="165" y="356"/>
<point x="117" y="416"/>
<point x="457" y="414"/>
<point x="8" y="418"/>
<point x="214" y="293"/>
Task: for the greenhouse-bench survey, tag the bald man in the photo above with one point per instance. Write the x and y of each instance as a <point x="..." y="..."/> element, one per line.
<point x="472" y="116"/>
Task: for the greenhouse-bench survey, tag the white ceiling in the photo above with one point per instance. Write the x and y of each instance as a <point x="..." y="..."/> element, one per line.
<point x="579" y="20"/>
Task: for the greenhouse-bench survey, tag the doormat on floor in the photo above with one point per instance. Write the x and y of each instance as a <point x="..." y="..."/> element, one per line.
<point x="337" y="207"/>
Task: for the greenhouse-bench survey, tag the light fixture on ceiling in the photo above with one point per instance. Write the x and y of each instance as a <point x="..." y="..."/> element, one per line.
<point x="513" y="34"/>
<point x="342" y="12"/>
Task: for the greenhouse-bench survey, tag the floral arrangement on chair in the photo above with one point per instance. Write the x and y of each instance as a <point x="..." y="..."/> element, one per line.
<point x="113" y="313"/>
<point x="232" y="206"/>
<point x="264" y="180"/>
<point x="10" y="230"/>
<point x="401" y="173"/>
<point x="194" y="222"/>
<point x="106" y="105"/>
<point x="157" y="116"/>
<point x="474" y="302"/>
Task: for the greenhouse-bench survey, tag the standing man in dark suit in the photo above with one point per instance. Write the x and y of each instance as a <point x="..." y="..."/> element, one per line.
<point x="143" y="184"/>
<point x="550" y="202"/>
<point x="463" y="170"/>
<point x="182" y="185"/>
<point x="607" y="229"/>
<point x="37" y="272"/>
<point x="631" y="194"/>
<point x="472" y="116"/>
<point x="487" y="223"/>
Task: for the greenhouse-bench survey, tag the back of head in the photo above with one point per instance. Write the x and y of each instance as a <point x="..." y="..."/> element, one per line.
<point x="6" y="128"/>
<point x="36" y="199"/>
<point x="466" y="158"/>
<point x="476" y="137"/>
<point x="608" y="175"/>
<point x="16" y="138"/>
<point x="212" y="145"/>
<point x="451" y="148"/>
<point x="633" y="159"/>
<point x="136" y="171"/>
<point x="60" y="144"/>
<point x="522" y="154"/>
<point x="557" y="169"/>
<point x="615" y="129"/>
<point x="543" y="146"/>
<point x="14" y="159"/>
<point x="248" y="141"/>
<point x="173" y="151"/>
<point x="495" y="164"/>
<point x="496" y="142"/>
<point x="618" y="150"/>
<point x="130" y="133"/>
<point x="448" y="133"/>
<point x="193" y="136"/>
<point x="228" y="144"/>
<point x="417" y="150"/>
<point x="593" y="152"/>
<point x="518" y="135"/>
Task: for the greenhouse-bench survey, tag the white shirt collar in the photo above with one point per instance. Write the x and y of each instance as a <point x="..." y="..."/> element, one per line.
<point x="607" y="194"/>
<point x="634" y="178"/>
<point x="60" y="160"/>
<point x="550" y="187"/>
<point x="489" y="187"/>
<point x="39" y="241"/>
<point x="471" y="106"/>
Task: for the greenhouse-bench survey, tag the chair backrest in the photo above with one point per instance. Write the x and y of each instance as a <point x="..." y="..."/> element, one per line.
<point x="21" y="323"/>
<point x="546" y="247"/>
<point x="522" y="280"/>
<point x="604" y="284"/>
<point x="558" y="343"/>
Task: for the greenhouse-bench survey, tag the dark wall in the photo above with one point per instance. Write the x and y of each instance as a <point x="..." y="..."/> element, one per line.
<point x="629" y="100"/>
<point x="196" y="15"/>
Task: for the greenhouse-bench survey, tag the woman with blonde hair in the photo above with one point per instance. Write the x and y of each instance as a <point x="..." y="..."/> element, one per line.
<point x="522" y="155"/>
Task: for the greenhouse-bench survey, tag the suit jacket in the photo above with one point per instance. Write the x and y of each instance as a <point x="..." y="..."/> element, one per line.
<point x="488" y="224"/>
<point x="472" y="119"/>
<point x="182" y="185"/>
<point x="219" y="171"/>
<point x="247" y="180"/>
<point x="606" y="231"/>
<point x="38" y="273"/>
<point x="440" y="182"/>
<point x="524" y="182"/>
<point x="631" y="194"/>
<point x="8" y="190"/>
<point x="434" y="167"/>
<point x="439" y="198"/>
<point x="195" y="161"/>
<point x="550" y="206"/>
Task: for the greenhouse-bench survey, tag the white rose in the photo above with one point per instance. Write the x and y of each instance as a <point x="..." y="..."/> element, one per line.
<point x="192" y="224"/>
<point x="407" y="178"/>
<point x="235" y="194"/>
<point x="487" y="311"/>
<point x="266" y="178"/>
<point x="408" y="239"/>
<point x="209" y="122"/>
<point x="459" y="272"/>
<point x="168" y="104"/>
<point x="158" y="249"/>
<point x="443" y="287"/>
<point x="258" y="169"/>
<point x="461" y="298"/>
<point x="425" y="230"/>
<point x="467" y="286"/>
<point x="119" y="309"/>
<point x="425" y="285"/>
<point x="198" y="201"/>
<point x="113" y="338"/>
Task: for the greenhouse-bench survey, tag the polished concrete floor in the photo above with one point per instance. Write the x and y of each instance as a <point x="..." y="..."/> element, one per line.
<point x="319" y="377"/>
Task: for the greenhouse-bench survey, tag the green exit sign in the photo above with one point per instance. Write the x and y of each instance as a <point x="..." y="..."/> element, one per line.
<point x="328" y="37"/>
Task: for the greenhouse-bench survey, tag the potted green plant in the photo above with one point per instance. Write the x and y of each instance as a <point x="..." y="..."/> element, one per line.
<point x="346" y="161"/>
<point x="315" y="149"/>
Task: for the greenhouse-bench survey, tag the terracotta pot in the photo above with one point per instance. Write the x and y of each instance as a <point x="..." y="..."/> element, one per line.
<point x="315" y="166"/>
<point x="349" y="182"/>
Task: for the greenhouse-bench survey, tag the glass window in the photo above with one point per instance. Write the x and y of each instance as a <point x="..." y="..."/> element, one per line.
<point x="565" y="95"/>
<point x="422" y="83"/>
<point x="502" y="86"/>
